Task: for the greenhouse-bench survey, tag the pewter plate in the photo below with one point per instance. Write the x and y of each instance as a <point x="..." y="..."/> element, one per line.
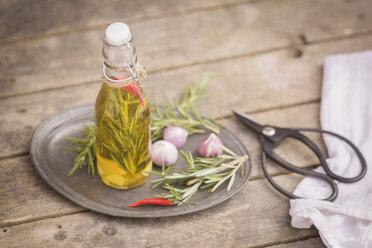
<point x="53" y="163"/>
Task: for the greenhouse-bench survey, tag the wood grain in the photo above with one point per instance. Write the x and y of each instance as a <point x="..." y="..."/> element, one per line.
<point x="252" y="84"/>
<point x="27" y="197"/>
<point x="256" y="216"/>
<point x="308" y="243"/>
<point x="176" y="41"/>
<point x="50" y="17"/>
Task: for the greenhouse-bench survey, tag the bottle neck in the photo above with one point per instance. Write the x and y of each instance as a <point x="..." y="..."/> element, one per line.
<point x="119" y="62"/>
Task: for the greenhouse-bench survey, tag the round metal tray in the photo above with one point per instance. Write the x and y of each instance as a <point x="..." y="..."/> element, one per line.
<point x="53" y="163"/>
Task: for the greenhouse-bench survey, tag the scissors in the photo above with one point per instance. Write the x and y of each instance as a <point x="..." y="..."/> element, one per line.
<point x="271" y="137"/>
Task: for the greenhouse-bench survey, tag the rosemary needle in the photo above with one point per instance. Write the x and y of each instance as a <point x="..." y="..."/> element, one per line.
<point x="182" y="113"/>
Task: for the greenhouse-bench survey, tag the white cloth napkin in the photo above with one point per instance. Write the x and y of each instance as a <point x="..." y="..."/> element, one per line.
<point x="346" y="108"/>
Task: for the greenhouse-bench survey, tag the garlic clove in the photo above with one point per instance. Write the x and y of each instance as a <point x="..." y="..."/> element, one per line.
<point x="210" y="146"/>
<point x="176" y="135"/>
<point x="163" y="153"/>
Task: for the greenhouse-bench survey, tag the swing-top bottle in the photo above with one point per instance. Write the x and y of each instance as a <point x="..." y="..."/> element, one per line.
<point x="122" y="115"/>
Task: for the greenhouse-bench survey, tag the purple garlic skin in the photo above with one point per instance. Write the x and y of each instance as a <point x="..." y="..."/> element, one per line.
<point x="163" y="153"/>
<point x="175" y="135"/>
<point x="210" y="146"/>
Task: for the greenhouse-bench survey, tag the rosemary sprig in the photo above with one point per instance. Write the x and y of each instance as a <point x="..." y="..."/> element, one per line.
<point x="182" y="113"/>
<point x="86" y="147"/>
<point x="202" y="173"/>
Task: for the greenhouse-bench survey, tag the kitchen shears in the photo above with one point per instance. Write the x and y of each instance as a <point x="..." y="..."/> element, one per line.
<point x="271" y="137"/>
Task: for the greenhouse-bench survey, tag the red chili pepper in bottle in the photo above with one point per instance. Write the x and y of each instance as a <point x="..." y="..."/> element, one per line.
<point x="153" y="201"/>
<point x="134" y="90"/>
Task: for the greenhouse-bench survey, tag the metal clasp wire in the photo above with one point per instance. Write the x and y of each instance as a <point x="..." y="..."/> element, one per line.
<point x="134" y="74"/>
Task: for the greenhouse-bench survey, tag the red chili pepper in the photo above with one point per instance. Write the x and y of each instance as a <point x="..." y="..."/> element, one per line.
<point x="153" y="201"/>
<point x="133" y="89"/>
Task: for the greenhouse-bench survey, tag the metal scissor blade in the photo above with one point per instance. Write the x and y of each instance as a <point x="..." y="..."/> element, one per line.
<point x="247" y="120"/>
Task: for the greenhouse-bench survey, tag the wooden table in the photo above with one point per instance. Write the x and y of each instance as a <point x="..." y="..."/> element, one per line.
<point x="266" y="56"/>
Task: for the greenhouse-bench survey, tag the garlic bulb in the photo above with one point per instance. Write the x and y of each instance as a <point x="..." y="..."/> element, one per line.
<point x="210" y="146"/>
<point x="163" y="153"/>
<point x="175" y="135"/>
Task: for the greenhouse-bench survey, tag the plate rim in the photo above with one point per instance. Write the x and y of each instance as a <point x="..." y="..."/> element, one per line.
<point x="101" y="208"/>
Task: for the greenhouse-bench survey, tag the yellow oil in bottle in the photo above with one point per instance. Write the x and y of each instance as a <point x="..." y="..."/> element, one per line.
<point x="122" y="121"/>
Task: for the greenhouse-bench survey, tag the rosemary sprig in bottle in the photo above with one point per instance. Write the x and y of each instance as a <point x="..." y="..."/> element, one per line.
<point x="179" y="112"/>
<point x="202" y="173"/>
<point x="123" y="134"/>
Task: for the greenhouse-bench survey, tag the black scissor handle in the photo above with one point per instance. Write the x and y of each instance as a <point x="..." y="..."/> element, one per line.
<point x="268" y="149"/>
<point x="283" y="133"/>
<point x="361" y="158"/>
<point x="304" y="172"/>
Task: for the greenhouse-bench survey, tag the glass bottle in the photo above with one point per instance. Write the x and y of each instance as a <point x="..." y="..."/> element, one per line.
<point x="122" y="114"/>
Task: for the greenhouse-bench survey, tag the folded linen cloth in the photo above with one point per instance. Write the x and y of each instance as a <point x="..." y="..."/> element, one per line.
<point x="346" y="108"/>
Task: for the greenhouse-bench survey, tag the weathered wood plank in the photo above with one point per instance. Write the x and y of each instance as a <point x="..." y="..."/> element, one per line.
<point x="184" y="40"/>
<point x="251" y="84"/>
<point x="256" y="216"/>
<point x="25" y="18"/>
<point x="308" y="243"/>
<point x="258" y="82"/>
<point x="27" y="197"/>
